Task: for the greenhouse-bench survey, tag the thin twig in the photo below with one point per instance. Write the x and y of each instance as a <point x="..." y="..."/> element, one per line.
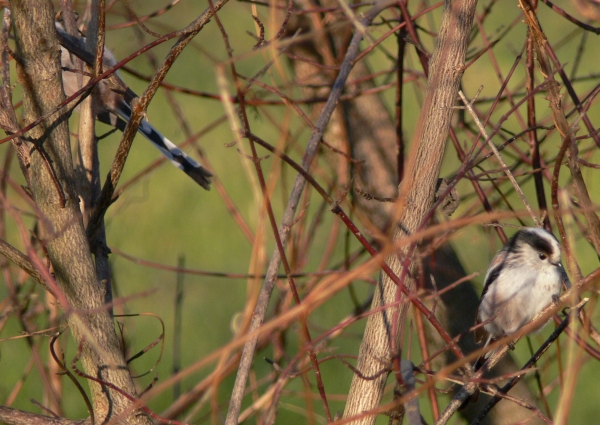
<point x="469" y="107"/>
<point x="290" y="211"/>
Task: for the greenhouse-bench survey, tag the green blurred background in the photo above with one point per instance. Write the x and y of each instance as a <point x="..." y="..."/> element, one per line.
<point x="167" y="215"/>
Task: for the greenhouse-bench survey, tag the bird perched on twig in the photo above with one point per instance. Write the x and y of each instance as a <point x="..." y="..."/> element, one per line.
<point x="523" y="278"/>
<point x="111" y="107"/>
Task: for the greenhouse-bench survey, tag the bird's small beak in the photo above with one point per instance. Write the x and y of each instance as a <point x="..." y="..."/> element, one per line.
<point x="563" y="275"/>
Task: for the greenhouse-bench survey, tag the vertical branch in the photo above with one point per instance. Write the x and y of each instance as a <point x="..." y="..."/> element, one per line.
<point x="177" y="335"/>
<point x="532" y="136"/>
<point x="89" y="167"/>
<point x="53" y="188"/>
<point x="417" y="191"/>
<point x="8" y="117"/>
<point x="290" y="211"/>
<point x="569" y="145"/>
<point x="399" y="107"/>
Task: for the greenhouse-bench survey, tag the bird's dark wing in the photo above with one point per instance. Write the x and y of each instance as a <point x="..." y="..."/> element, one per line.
<point x="491" y="276"/>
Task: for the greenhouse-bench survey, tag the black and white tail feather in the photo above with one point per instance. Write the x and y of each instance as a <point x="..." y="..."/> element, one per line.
<point x="112" y="109"/>
<point x="177" y="157"/>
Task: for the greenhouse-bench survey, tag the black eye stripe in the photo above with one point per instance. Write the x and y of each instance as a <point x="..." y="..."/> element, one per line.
<point x="540" y="244"/>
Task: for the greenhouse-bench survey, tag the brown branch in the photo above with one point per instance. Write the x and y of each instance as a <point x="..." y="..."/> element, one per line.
<point x="38" y="69"/>
<point x="561" y="12"/>
<point x="10" y="416"/>
<point x="500" y="348"/>
<point x="569" y="145"/>
<point x="416" y="198"/>
<point x="22" y="261"/>
<point x="290" y="211"/>
<point x="8" y="117"/>
<point x="138" y="111"/>
<point x="532" y="361"/>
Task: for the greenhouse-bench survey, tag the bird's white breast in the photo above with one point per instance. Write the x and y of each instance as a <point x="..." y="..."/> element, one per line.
<point x="517" y="296"/>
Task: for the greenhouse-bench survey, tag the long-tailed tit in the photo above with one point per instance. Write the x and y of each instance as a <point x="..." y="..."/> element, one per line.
<point x="112" y="109"/>
<point x="523" y="278"/>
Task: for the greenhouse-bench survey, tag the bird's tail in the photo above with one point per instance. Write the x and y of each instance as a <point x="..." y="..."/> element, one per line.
<point x="177" y="157"/>
<point x="473" y="398"/>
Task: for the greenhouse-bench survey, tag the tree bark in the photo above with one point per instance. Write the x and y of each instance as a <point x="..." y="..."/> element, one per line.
<point x="53" y="188"/>
<point x="417" y="193"/>
<point x="11" y="416"/>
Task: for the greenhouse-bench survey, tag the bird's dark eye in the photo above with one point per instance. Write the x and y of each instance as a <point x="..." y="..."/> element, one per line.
<point x="543" y="257"/>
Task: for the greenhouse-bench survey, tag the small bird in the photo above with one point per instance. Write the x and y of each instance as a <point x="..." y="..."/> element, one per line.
<point x="112" y="109"/>
<point x="523" y="278"/>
